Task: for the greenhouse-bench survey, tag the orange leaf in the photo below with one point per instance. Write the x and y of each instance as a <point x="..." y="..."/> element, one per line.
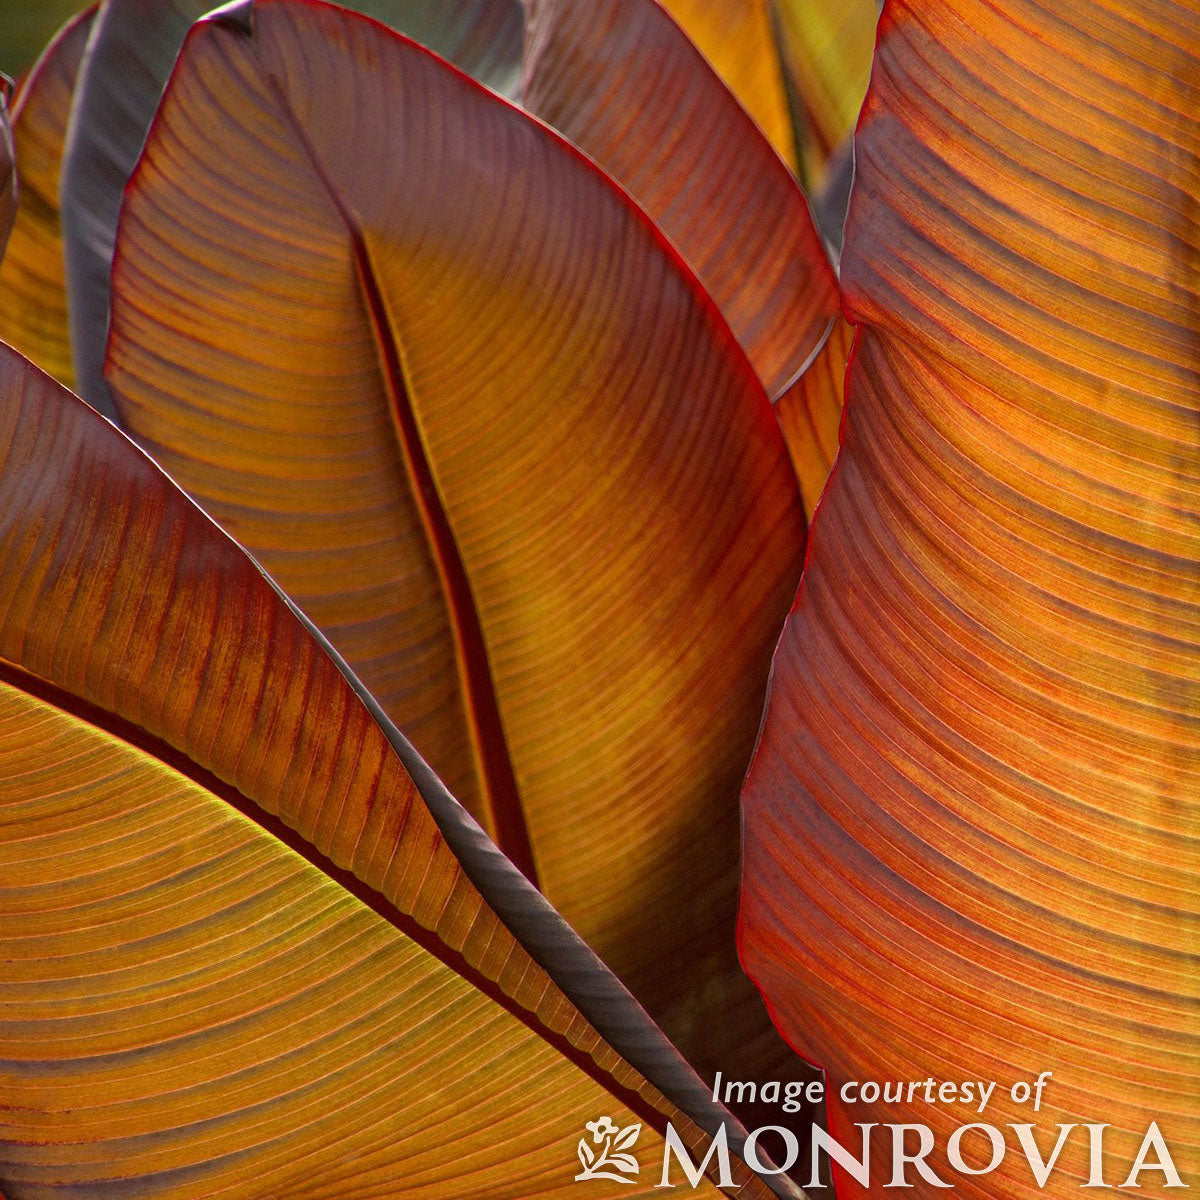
<point x="737" y="38"/>
<point x="810" y="412"/>
<point x="33" y="306"/>
<point x="129" y="56"/>
<point x="972" y="818"/>
<point x="244" y="955"/>
<point x="621" y="80"/>
<point x="463" y="401"/>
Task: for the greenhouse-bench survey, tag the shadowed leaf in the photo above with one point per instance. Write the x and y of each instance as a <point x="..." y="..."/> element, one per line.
<point x="8" y="175"/>
<point x="469" y="408"/>
<point x="810" y="412"/>
<point x="971" y="820"/>
<point x="244" y="955"/>
<point x="620" y="79"/>
<point x="33" y="303"/>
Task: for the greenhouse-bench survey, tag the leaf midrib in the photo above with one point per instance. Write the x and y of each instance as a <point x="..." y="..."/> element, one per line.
<point x="153" y="747"/>
<point x="495" y="771"/>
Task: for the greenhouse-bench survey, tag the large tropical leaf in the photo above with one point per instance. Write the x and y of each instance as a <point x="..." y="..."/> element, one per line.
<point x="736" y="36"/>
<point x="33" y="303"/>
<point x="243" y="954"/>
<point x="466" y="404"/>
<point x="972" y="817"/>
<point x="128" y="60"/>
<point x="623" y="82"/>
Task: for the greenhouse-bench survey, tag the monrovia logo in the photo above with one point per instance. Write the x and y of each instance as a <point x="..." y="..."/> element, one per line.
<point x="603" y="1158"/>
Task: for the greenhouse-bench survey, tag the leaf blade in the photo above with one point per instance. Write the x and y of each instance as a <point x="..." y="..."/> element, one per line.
<point x="998" y="745"/>
<point x="126" y="617"/>
<point x="737" y="38"/>
<point x="128" y="60"/>
<point x="622" y="81"/>
<point x="582" y="587"/>
<point x="826" y="54"/>
<point x="810" y="412"/>
<point x="8" y="177"/>
<point x="33" y="314"/>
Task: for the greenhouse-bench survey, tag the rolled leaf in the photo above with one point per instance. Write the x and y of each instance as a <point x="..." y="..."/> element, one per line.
<point x="33" y="302"/>
<point x="466" y="404"/>
<point x="243" y="954"/>
<point x="128" y="60"/>
<point x="623" y="82"/>
<point x="971" y="821"/>
<point x="825" y="47"/>
<point x="831" y="196"/>
<point x="8" y="174"/>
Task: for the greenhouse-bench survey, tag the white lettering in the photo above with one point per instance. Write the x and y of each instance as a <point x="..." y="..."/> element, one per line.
<point x="750" y="1154"/>
<point x="674" y="1145"/>
<point x="1040" y="1167"/>
<point x="857" y="1168"/>
<point x="900" y="1159"/>
<point x="1155" y="1141"/>
<point x="1096" y="1160"/>
<point x="954" y="1149"/>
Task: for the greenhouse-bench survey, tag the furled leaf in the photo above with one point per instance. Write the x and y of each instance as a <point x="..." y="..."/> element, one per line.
<point x="825" y="47"/>
<point x="462" y="400"/>
<point x="33" y="303"/>
<point x="830" y="198"/>
<point x="128" y="60"/>
<point x="8" y="174"/>
<point x="972" y="820"/>
<point x="243" y="954"/>
<point x="623" y="82"/>
<point x="737" y="38"/>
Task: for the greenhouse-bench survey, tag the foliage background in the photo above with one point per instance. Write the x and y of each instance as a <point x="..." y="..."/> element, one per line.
<point x="26" y="26"/>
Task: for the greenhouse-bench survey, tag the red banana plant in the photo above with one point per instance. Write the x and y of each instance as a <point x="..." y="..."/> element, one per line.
<point x="526" y="412"/>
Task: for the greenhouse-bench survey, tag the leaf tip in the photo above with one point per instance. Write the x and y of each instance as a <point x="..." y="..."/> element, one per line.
<point x="237" y="14"/>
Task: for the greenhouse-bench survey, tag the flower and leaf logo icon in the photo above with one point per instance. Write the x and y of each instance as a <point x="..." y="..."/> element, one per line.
<point x="605" y="1150"/>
